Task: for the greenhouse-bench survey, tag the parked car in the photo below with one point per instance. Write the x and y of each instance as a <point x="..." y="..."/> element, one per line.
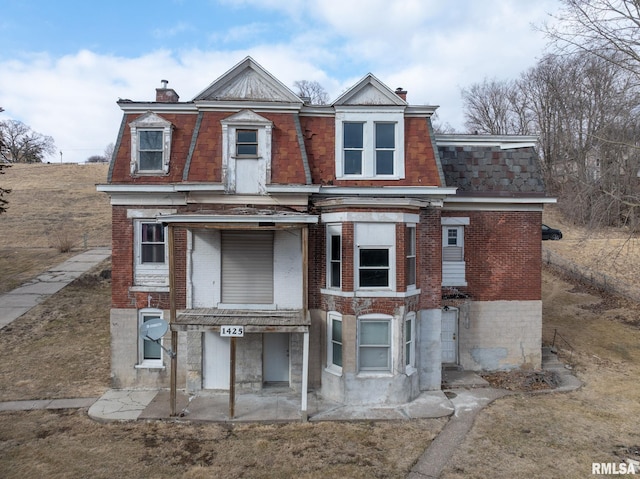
<point x="549" y="233"/>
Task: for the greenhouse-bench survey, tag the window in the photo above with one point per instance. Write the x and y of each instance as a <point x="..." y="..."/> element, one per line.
<point x="409" y="341"/>
<point x="453" y="264"/>
<point x="373" y="268"/>
<point x="353" y="148"/>
<point x="385" y="148"/>
<point x="151" y="265"/>
<point x="370" y="144"/>
<point x="452" y="244"/>
<point x="150" y="352"/>
<point x="150" y="144"/>
<point x="375" y="257"/>
<point x="246" y="142"/>
<point x="334" y="353"/>
<point x="374" y="344"/>
<point x="150" y="150"/>
<point x="152" y="243"/>
<point x="334" y="256"/>
<point x="410" y="251"/>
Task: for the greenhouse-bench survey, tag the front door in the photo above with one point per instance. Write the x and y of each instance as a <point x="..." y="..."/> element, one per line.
<point x="449" y="336"/>
<point x="215" y="361"/>
<point x="275" y="358"/>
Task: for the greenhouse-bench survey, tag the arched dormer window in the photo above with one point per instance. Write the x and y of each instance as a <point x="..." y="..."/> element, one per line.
<point x="150" y="145"/>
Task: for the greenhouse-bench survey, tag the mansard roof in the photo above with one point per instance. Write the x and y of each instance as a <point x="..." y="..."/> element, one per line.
<point x="369" y="91"/>
<point x="248" y="81"/>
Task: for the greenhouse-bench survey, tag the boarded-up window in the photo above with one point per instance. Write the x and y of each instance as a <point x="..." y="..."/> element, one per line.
<point x="247" y="267"/>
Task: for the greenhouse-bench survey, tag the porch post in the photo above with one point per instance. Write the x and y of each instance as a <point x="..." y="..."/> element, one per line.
<point x="305" y="312"/>
<point x="172" y="318"/>
<point x="305" y="375"/>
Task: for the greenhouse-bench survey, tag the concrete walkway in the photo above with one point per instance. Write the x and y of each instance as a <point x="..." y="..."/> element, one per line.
<point x="17" y="302"/>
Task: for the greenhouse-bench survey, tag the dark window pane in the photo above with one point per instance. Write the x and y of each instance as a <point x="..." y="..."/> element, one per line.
<point x="251" y="150"/>
<point x="335" y="275"/>
<point x="153" y="253"/>
<point x="385" y="136"/>
<point x="374" y="277"/>
<point x="336" y="331"/>
<point x="352" y="135"/>
<point x="152" y="233"/>
<point x="384" y="162"/>
<point x="150" y="140"/>
<point x="151" y="349"/>
<point x="374" y="257"/>
<point x="407" y="355"/>
<point x="247" y="136"/>
<point x="411" y="270"/>
<point x="335" y="248"/>
<point x="337" y="354"/>
<point x="150" y="160"/>
<point x="353" y="162"/>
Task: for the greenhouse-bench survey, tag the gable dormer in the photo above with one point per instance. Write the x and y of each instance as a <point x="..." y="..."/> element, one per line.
<point x="248" y="81"/>
<point x="246" y="153"/>
<point x="150" y="145"/>
<point x="369" y="129"/>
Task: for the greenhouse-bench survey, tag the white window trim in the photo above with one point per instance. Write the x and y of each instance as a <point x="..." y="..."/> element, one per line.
<point x="331" y="367"/>
<point x="412" y="227"/>
<point x="369" y="117"/>
<point x="411" y="367"/>
<point x="142" y="362"/>
<point x="149" y="274"/>
<point x="392" y="268"/>
<point x="333" y="230"/>
<point x="245" y="120"/>
<point x="376" y="372"/>
<point x="150" y="122"/>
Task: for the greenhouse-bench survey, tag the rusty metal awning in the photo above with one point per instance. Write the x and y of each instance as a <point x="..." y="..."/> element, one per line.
<point x="253" y="320"/>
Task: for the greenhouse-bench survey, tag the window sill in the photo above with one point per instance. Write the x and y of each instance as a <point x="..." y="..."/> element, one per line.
<point x="410" y="371"/>
<point x="374" y="375"/>
<point x="150" y="366"/>
<point x="334" y="370"/>
<point x="370" y="294"/>
<point x="149" y="289"/>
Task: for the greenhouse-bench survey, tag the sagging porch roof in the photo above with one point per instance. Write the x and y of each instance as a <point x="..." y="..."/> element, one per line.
<point x="254" y="321"/>
<point x="239" y="216"/>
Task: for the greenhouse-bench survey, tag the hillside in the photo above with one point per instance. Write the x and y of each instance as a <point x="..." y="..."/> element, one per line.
<point x="50" y="204"/>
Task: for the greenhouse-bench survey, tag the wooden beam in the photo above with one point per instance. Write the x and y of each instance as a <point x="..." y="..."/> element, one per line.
<point x="172" y="319"/>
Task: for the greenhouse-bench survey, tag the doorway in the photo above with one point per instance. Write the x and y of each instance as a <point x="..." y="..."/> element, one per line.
<point x="275" y="362"/>
<point x="449" y="336"/>
<point x="215" y="361"/>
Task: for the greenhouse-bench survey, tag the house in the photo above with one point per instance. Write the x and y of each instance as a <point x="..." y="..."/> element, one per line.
<point x="358" y="252"/>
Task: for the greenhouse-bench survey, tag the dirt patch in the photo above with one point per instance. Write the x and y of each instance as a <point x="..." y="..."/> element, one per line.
<point x="521" y="380"/>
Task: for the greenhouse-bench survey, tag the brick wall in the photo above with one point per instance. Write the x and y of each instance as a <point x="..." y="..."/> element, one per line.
<point x="503" y="255"/>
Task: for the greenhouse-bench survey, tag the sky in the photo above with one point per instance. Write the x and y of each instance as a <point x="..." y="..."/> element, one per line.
<point x="64" y="64"/>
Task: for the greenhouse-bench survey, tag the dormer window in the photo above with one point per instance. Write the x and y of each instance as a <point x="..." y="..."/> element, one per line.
<point x="150" y="150"/>
<point x="150" y="145"/>
<point x="246" y="153"/>
<point x="370" y="144"/>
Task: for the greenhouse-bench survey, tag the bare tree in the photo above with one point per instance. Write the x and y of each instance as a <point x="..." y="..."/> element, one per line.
<point x="488" y="107"/>
<point x="608" y="29"/>
<point x="20" y="144"/>
<point x="108" y="151"/>
<point x="312" y="90"/>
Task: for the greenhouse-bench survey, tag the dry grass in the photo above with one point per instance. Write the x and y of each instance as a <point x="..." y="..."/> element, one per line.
<point x="560" y="435"/>
<point x="51" y="208"/>
<point x="60" y="349"/>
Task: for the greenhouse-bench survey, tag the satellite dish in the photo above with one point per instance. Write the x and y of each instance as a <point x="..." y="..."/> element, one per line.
<point x="154" y="329"/>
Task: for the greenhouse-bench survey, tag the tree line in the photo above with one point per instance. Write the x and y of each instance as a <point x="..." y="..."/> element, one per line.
<point x="583" y="102"/>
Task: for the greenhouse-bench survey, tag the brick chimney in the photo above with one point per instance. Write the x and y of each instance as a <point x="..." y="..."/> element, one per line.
<point x="166" y="95"/>
<point x="401" y="93"/>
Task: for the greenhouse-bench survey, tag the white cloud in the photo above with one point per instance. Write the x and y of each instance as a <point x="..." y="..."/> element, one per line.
<point x="430" y="48"/>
